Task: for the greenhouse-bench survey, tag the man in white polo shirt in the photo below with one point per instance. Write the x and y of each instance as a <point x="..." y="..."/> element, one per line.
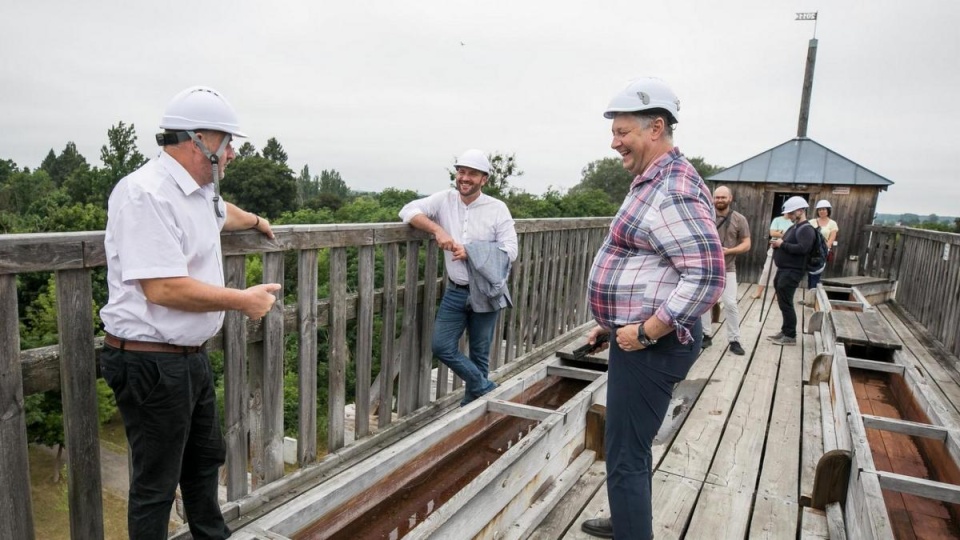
<point x="457" y="217"/>
<point x="167" y="298"/>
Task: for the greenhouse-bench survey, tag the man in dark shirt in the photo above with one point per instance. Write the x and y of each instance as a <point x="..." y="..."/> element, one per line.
<point x="790" y="254"/>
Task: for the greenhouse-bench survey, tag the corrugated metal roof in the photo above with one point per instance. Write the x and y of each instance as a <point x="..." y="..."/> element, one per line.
<point x="801" y="161"/>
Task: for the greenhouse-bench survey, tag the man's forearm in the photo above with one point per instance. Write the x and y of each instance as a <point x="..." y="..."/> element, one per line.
<point x="422" y="222"/>
<point x="188" y="294"/>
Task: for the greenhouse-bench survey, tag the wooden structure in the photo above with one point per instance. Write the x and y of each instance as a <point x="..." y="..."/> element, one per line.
<point x="548" y="289"/>
<point x="737" y="456"/>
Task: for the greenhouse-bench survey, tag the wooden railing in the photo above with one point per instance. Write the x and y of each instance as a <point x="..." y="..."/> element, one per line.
<point x="926" y="265"/>
<point x="548" y="283"/>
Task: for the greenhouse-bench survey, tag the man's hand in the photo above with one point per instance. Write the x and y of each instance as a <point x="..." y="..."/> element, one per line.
<point x="259" y="299"/>
<point x="627" y="338"/>
<point x="444" y="240"/>
<point x="594" y="334"/>
<point x="459" y="252"/>
<point x="264" y="227"/>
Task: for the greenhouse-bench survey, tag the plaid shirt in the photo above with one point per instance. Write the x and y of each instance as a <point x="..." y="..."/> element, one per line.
<point x="663" y="256"/>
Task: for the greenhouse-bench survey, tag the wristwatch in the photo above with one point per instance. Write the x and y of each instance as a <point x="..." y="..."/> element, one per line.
<point x="643" y="339"/>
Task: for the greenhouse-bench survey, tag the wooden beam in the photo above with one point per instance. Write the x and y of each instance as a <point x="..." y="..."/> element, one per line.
<point x="236" y="395"/>
<point x="78" y="386"/>
<point x="519" y="410"/>
<point x="874" y="365"/>
<point x="16" y="513"/>
<point x="835" y="526"/>
<point x="916" y="429"/>
<point x="596" y="427"/>
<point x="920" y="487"/>
<point x="574" y="373"/>
<point x="307" y="272"/>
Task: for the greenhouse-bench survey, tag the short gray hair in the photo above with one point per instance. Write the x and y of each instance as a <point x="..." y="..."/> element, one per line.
<point x="646" y="118"/>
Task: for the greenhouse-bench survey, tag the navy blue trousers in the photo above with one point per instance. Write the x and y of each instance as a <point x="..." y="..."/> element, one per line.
<point x="639" y="388"/>
<point x="169" y="413"/>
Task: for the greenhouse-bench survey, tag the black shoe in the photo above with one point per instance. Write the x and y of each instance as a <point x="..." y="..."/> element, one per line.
<point x="707" y="341"/>
<point x="736" y="349"/>
<point x="600" y="527"/>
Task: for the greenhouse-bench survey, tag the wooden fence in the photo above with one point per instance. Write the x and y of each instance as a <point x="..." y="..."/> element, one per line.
<point x="926" y="265"/>
<point x="548" y="283"/>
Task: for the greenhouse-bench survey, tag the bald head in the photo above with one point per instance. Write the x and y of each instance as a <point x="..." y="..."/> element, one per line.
<point x="722" y="197"/>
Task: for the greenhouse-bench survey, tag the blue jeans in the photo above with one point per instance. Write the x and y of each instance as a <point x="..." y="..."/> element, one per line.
<point x="453" y="317"/>
<point x="639" y="387"/>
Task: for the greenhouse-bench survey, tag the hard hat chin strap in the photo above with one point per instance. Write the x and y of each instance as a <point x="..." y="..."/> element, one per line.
<point x="214" y="164"/>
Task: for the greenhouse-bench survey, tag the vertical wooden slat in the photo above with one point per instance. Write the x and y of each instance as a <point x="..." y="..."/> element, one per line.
<point x="496" y="348"/>
<point x="16" y="513"/>
<point x="569" y="255"/>
<point x="523" y="309"/>
<point x="235" y="383"/>
<point x="511" y="322"/>
<point x="337" y="359"/>
<point x="543" y="300"/>
<point x="307" y="271"/>
<point x="391" y="254"/>
<point x="364" y="353"/>
<point x="256" y="413"/>
<point x="409" y="362"/>
<point x="429" y="312"/>
<point x="273" y="347"/>
<point x="536" y="279"/>
<point x="553" y="295"/>
<point x="78" y="376"/>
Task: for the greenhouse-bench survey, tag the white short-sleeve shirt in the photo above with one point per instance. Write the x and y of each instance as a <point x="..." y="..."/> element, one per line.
<point x="484" y="220"/>
<point x="160" y="224"/>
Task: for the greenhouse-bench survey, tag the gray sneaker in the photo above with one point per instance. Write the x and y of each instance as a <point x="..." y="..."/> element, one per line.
<point x="785" y="341"/>
<point x="776" y="336"/>
<point x="736" y="348"/>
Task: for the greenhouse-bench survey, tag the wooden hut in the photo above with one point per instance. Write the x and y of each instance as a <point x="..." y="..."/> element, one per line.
<point x="802" y="166"/>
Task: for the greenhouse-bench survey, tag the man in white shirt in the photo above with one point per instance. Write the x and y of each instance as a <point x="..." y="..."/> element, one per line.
<point x="166" y="298"/>
<point x="457" y="217"/>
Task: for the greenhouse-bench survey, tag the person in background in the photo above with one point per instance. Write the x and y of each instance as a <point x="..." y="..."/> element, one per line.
<point x="166" y="298"/>
<point x="829" y="229"/>
<point x="791" y="252"/>
<point x="778" y="226"/>
<point x="735" y="237"/>
<point x="457" y="218"/>
<point x="659" y="269"/>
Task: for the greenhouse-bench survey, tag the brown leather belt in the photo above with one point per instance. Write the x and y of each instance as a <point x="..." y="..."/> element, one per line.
<point x="149" y="346"/>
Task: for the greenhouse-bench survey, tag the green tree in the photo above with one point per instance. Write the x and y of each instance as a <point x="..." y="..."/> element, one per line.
<point x="307" y="186"/>
<point x="274" y="151"/>
<point x="703" y="168"/>
<point x="606" y="175"/>
<point x="261" y="186"/>
<point x="68" y="162"/>
<point x="22" y="189"/>
<point x="395" y="199"/>
<point x="246" y="150"/>
<point x="332" y="184"/>
<point x="120" y="156"/>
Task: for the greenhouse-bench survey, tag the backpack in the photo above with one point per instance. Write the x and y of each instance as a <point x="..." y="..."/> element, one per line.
<point x="817" y="258"/>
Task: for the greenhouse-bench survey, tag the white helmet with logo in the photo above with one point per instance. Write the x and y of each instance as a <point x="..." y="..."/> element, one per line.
<point x="475" y="159"/>
<point x="200" y="107"/>
<point x="644" y="94"/>
<point x="795" y="203"/>
<point x="823" y="203"/>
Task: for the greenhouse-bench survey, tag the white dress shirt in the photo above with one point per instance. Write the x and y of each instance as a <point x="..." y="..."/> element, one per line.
<point x="484" y="220"/>
<point x="161" y="224"/>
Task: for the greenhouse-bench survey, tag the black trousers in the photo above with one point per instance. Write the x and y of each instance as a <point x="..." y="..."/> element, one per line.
<point x="786" y="284"/>
<point x="169" y="411"/>
<point x="639" y="388"/>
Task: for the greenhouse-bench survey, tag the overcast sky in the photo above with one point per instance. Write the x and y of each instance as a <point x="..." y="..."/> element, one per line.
<point x="388" y="92"/>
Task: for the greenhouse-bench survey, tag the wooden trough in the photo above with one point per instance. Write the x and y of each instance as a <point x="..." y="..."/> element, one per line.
<point x="487" y="470"/>
<point x="891" y="460"/>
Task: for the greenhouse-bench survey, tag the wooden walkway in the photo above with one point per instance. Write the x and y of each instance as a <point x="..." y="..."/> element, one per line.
<point x="736" y="455"/>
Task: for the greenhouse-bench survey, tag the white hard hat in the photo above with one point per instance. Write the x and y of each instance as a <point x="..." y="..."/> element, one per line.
<point x="475" y="159"/>
<point x="200" y="107"/>
<point x="795" y="203"/>
<point x="644" y="94"/>
<point x="823" y="203"/>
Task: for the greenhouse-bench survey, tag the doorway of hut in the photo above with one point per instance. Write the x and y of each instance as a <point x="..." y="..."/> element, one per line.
<point x="779" y="198"/>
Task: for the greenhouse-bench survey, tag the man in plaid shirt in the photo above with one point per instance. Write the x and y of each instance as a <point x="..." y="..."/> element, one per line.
<point x="659" y="269"/>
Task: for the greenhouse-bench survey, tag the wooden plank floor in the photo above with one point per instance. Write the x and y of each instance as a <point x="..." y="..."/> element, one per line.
<point x="730" y="459"/>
